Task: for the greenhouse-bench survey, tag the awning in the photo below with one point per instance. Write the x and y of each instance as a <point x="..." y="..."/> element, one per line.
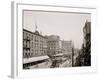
<point x="33" y="59"/>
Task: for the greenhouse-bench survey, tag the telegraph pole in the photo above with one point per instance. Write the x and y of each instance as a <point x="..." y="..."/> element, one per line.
<point x="72" y="54"/>
<point x="72" y="57"/>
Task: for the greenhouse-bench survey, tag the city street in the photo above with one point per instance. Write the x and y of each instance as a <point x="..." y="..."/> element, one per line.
<point x="66" y="63"/>
<point x="61" y="62"/>
<point x="55" y="61"/>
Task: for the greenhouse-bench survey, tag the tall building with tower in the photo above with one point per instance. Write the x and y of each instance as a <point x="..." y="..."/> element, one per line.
<point x="34" y="44"/>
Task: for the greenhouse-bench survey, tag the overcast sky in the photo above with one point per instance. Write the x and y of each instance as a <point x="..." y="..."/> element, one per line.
<point x="69" y="26"/>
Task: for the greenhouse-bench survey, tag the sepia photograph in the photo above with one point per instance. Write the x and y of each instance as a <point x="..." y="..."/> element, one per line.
<point x="55" y="39"/>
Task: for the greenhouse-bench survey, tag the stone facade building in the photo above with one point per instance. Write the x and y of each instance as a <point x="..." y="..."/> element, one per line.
<point x="84" y="58"/>
<point x="87" y="33"/>
<point x="34" y="44"/>
<point x="53" y="44"/>
<point x="87" y="44"/>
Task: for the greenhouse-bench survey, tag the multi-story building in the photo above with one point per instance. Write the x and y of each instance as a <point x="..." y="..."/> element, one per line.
<point x="87" y="33"/>
<point x="27" y="46"/>
<point x="87" y="44"/>
<point x="53" y="44"/>
<point x="84" y="57"/>
<point x="34" y="44"/>
<point x="85" y="53"/>
<point x="67" y="47"/>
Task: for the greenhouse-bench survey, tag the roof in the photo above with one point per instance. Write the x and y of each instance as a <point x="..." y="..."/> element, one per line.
<point x="35" y="33"/>
<point x="33" y="59"/>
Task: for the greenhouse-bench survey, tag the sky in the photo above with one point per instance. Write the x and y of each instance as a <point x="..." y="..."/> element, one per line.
<point x="69" y="26"/>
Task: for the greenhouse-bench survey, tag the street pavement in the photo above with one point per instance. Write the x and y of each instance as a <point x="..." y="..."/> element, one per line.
<point x="66" y="63"/>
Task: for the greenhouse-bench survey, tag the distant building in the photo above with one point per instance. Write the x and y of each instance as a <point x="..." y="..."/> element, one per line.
<point x="34" y="44"/>
<point x="67" y="47"/>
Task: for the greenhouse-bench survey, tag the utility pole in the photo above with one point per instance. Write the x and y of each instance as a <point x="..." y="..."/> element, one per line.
<point x="72" y="57"/>
<point x="72" y="54"/>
